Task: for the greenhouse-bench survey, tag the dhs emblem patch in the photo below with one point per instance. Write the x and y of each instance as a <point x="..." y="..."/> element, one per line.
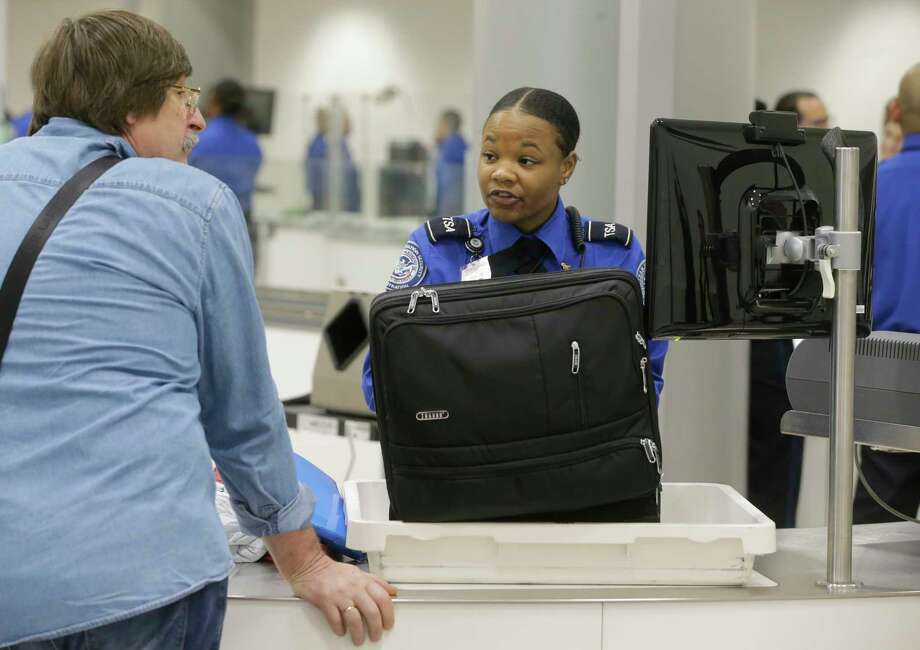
<point x="410" y="269"/>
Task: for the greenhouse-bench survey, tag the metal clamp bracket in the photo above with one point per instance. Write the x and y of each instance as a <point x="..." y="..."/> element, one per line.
<point x="827" y="249"/>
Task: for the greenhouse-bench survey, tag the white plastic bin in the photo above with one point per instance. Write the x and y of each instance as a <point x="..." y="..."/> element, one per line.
<point x="708" y="535"/>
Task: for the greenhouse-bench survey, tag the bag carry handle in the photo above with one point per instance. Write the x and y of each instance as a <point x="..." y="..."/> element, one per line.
<point x="14" y="283"/>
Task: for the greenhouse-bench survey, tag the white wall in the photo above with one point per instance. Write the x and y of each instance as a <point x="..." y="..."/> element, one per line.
<point x="309" y="51"/>
<point x="568" y="47"/>
<point x="705" y="401"/>
<point x="29" y="24"/>
<point x="215" y="33"/>
<point x="4" y="9"/>
<point x="851" y="52"/>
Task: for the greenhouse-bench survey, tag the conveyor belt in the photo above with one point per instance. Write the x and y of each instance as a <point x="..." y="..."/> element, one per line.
<point x="292" y="308"/>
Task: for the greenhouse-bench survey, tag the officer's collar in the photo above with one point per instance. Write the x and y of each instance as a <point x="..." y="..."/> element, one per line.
<point x="71" y="128"/>
<point x="554" y="233"/>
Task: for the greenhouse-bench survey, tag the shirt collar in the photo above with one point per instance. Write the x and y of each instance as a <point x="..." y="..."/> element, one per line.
<point x="70" y="128"/>
<point x="554" y="233"/>
<point x="911" y="142"/>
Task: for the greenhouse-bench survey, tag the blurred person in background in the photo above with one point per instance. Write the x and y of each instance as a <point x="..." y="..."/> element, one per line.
<point x="895" y="477"/>
<point x="319" y="172"/>
<point x="20" y="124"/>
<point x="137" y="357"/>
<point x="775" y="460"/>
<point x="228" y="150"/>
<point x="892" y="135"/>
<point x="449" y="168"/>
<point x="810" y="108"/>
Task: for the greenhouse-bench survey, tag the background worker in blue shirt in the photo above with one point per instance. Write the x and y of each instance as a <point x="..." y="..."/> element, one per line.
<point x="228" y="150"/>
<point x="21" y="124"/>
<point x="895" y="477"/>
<point x="528" y="154"/>
<point x="319" y="171"/>
<point x="137" y="355"/>
<point x="449" y="176"/>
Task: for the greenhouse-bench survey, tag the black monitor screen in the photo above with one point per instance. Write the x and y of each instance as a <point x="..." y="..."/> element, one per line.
<point x="260" y="105"/>
<point x="716" y="203"/>
<point x="346" y="334"/>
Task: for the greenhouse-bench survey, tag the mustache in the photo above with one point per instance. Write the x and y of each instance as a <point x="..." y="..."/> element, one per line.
<point x="189" y="142"/>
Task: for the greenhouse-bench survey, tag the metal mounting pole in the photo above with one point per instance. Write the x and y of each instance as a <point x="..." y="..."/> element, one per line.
<point x="843" y="353"/>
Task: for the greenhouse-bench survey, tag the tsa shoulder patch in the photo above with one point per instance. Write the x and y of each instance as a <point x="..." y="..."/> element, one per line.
<point x="448" y="228"/>
<point x="602" y="231"/>
<point x="410" y="269"/>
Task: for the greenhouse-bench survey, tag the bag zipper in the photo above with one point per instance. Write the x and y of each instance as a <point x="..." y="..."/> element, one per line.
<point x="527" y="465"/>
<point x="491" y="314"/>
<point x="502" y="286"/>
<point x="576" y="368"/>
<point x="424" y="293"/>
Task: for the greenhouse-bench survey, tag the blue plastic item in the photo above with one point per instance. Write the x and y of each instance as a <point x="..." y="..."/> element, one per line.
<point x="329" y="519"/>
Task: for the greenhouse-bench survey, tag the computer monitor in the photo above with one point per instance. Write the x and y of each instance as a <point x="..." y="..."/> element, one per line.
<point x="260" y="105"/>
<point x="718" y="195"/>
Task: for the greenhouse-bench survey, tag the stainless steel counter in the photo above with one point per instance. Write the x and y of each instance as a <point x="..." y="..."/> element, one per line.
<point x="886" y="559"/>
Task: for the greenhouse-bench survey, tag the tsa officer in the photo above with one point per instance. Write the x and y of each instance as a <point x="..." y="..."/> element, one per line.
<point x="527" y="155"/>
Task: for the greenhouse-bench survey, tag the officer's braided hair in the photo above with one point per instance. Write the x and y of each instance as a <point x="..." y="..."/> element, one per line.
<point x="549" y="106"/>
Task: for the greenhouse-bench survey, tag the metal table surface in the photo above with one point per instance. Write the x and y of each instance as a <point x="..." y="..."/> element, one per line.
<point x="886" y="560"/>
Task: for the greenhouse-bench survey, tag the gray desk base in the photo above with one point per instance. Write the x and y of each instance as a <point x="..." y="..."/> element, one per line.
<point x="794" y="614"/>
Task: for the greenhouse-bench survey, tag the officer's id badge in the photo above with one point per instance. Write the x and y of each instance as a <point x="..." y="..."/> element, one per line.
<point x="640" y="275"/>
<point x="479" y="269"/>
<point x="410" y="269"/>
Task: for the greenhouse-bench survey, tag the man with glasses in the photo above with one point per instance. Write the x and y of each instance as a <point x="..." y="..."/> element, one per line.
<point x="136" y="356"/>
<point x="810" y="108"/>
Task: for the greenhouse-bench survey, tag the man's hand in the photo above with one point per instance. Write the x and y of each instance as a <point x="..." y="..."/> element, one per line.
<point x="348" y="597"/>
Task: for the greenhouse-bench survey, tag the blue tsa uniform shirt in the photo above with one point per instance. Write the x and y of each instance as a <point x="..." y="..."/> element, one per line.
<point x="897" y="235"/>
<point x="451" y="249"/>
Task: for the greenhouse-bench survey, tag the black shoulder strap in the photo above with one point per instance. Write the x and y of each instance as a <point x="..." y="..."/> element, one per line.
<point x="18" y="274"/>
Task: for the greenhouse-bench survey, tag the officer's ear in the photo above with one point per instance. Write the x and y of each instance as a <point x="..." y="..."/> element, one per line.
<point x="894" y="112"/>
<point x="568" y="167"/>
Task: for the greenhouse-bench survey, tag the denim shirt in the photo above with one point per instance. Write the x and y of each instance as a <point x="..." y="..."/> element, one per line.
<point x="137" y="355"/>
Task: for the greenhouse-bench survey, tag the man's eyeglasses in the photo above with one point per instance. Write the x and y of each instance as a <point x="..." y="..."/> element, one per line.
<point x="190" y="94"/>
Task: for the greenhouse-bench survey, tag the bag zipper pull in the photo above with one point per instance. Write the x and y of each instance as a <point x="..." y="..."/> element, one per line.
<point x="651" y="452"/>
<point x="422" y="292"/>
<point x="413" y="300"/>
<point x="641" y="341"/>
<point x="642" y="363"/>
<point x="576" y="357"/>
<point x="433" y="295"/>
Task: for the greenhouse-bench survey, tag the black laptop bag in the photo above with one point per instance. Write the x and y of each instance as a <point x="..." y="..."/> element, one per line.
<point x="523" y="398"/>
